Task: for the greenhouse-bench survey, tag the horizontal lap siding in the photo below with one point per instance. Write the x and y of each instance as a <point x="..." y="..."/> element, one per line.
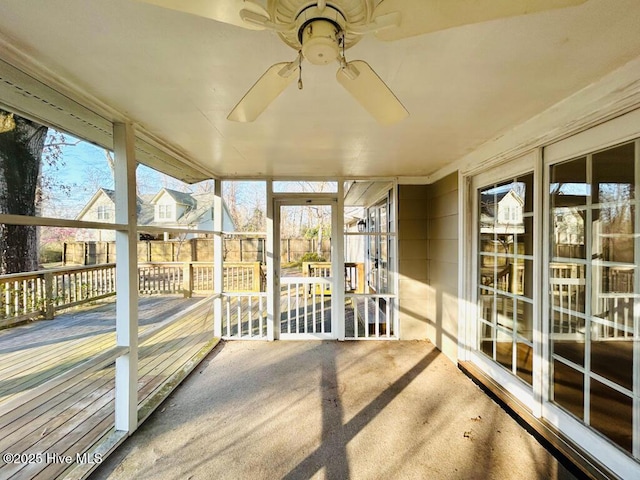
<point x="428" y="262"/>
<point x="412" y="253"/>
<point x="442" y="253"/>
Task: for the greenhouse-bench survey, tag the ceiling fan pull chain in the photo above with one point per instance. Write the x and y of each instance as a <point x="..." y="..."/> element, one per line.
<point x="300" y="86"/>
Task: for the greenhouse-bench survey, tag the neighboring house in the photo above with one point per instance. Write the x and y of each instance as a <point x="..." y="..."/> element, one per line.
<point x="167" y="208"/>
<point x="501" y="213"/>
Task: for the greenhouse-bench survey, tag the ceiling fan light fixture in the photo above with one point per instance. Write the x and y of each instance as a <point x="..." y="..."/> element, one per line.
<point x="320" y="42"/>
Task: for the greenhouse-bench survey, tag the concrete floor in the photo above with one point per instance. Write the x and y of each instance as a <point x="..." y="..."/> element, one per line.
<point x="335" y="410"/>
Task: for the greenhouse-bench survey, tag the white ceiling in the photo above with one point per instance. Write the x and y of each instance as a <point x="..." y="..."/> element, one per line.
<point x="178" y="76"/>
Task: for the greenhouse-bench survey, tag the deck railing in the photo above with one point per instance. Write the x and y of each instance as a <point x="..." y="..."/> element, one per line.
<point x="370" y="316"/>
<point x="244" y="315"/>
<point x="611" y="302"/>
<point x="353" y="274"/>
<point x="31" y="295"/>
<point x="305" y="305"/>
<point x="42" y="293"/>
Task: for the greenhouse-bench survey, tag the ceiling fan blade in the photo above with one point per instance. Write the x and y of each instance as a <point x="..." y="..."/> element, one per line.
<point x="225" y="11"/>
<point x="425" y="16"/>
<point x="270" y="85"/>
<point x="359" y="79"/>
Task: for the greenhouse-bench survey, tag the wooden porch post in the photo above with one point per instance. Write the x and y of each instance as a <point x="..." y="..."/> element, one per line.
<point x="187" y="280"/>
<point x="126" y="401"/>
<point x="49" y="310"/>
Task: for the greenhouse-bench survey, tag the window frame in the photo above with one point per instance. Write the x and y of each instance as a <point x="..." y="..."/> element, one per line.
<point x="528" y="395"/>
<point x="614" y="132"/>
<point x="165" y="212"/>
<point x="103" y="212"/>
<point x="621" y="130"/>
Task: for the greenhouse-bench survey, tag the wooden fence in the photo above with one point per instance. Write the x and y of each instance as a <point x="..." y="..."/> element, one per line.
<point x="31" y="295"/>
<point x="250" y="249"/>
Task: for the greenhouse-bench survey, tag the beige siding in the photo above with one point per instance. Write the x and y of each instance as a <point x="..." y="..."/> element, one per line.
<point x="413" y="262"/>
<point x="177" y="210"/>
<point x="428" y="241"/>
<point x="91" y="215"/>
<point x="442" y="254"/>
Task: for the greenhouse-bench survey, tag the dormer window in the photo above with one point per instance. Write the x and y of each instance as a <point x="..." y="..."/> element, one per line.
<point x="165" y="212"/>
<point x="103" y="212"/>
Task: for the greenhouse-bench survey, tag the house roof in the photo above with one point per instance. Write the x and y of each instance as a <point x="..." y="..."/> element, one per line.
<point x="181" y="198"/>
<point x="146" y="213"/>
<point x="490" y="201"/>
<point x="110" y="194"/>
<point x="198" y="205"/>
<point x="463" y="86"/>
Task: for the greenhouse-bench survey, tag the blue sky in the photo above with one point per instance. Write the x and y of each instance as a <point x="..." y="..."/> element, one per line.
<point x="83" y="169"/>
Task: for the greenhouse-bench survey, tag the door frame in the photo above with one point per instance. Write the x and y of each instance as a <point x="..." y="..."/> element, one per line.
<point x="336" y="202"/>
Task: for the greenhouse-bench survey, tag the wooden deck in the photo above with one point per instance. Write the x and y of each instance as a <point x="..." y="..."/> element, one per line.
<point x="44" y="416"/>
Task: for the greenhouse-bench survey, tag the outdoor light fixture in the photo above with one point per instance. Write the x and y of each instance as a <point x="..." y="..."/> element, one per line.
<point x="362" y="225"/>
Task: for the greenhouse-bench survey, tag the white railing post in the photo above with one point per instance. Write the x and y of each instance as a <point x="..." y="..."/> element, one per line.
<point x="126" y="401"/>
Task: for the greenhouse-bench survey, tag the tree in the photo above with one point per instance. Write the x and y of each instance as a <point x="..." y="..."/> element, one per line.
<point x="21" y="149"/>
<point x="24" y="146"/>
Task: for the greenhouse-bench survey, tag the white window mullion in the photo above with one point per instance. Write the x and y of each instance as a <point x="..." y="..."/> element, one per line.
<point x="494" y="259"/>
<point x="636" y="309"/>
<point x="588" y="242"/>
<point x="540" y="363"/>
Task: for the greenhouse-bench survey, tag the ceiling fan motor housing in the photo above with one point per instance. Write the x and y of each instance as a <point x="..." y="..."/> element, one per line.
<point x="320" y="44"/>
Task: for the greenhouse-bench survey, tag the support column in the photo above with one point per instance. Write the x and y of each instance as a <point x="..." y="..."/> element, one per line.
<point x="218" y="266"/>
<point x="273" y="280"/>
<point x="126" y="401"/>
<point x="337" y="258"/>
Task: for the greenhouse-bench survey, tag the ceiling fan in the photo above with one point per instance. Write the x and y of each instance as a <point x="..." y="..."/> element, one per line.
<point x="322" y="30"/>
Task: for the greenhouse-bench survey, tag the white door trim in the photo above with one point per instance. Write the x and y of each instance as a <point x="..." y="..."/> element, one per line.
<point x="279" y="200"/>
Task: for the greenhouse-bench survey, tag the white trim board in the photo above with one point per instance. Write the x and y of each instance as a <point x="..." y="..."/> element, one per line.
<point x="619" y="130"/>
